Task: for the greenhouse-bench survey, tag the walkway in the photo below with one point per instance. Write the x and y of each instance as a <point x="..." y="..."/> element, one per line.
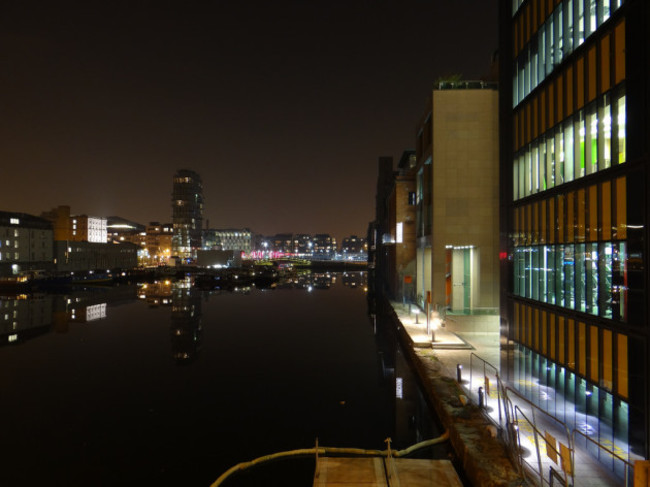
<point x="470" y="345"/>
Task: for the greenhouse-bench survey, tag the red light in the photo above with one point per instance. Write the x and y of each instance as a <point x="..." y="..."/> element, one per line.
<point x="503" y="255"/>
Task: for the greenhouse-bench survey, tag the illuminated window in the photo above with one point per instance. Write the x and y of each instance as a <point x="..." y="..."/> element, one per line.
<point x="399" y="232"/>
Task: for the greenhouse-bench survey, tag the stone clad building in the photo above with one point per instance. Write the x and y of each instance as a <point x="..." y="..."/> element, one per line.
<point x="457" y="197"/>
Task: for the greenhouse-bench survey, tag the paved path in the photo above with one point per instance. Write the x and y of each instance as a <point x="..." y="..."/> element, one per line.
<point x="473" y="344"/>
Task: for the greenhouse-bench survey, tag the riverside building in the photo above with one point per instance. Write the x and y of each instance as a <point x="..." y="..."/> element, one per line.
<point x="457" y="198"/>
<point x="187" y="214"/>
<point x="574" y="188"/>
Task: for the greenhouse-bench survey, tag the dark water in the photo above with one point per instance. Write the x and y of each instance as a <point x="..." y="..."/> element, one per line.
<point x="167" y="385"/>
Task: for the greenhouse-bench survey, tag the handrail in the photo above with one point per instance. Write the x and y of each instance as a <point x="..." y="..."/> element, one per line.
<point x="539" y="458"/>
<point x="535" y="406"/>
<point x="330" y="450"/>
<point x="496" y="373"/>
<point x="611" y="452"/>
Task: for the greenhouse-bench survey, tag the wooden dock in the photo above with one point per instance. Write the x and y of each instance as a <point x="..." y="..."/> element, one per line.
<point x="384" y="472"/>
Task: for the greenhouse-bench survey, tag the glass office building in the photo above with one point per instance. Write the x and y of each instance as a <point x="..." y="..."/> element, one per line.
<point x="574" y="210"/>
<point x="187" y="214"/>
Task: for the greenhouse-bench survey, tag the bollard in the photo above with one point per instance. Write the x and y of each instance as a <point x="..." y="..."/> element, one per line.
<point x="480" y="397"/>
<point x="459" y="373"/>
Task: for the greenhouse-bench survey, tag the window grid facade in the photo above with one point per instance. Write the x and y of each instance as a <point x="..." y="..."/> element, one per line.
<point x="545" y="32"/>
<point x="574" y="184"/>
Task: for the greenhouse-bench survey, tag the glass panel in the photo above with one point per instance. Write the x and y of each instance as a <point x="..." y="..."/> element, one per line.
<point x="567" y="151"/>
<point x="579" y="26"/>
<point x="591" y="142"/>
<point x="541" y="54"/>
<point x="591" y="271"/>
<point x="604" y="12"/>
<point x="549" y="45"/>
<point x="605" y="134"/>
<point x="620" y="114"/>
<point x="550" y="161"/>
<point x="580" y="298"/>
<point x="568" y="27"/>
<point x="590" y="23"/>
<point x="550" y="274"/>
<point x="580" y="145"/>
<point x="543" y="274"/>
<point x="559" y="275"/>
<point x="535" y="278"/>
<point x="559" y="156"/>
<point x="528" y="272"/>
<point x="518" y="271"/>
<point x="569" y="267"/>
<point x="619" y="281"/>
<point x="559" y="35"/>
<point x="605" y="279"/>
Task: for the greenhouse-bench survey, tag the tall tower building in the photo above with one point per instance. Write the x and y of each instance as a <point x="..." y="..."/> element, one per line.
<point x="574" y="216"/>
<point x="187" y="213"/>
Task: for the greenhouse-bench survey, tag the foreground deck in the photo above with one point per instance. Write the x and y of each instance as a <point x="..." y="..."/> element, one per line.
<point x="385" y="472"/>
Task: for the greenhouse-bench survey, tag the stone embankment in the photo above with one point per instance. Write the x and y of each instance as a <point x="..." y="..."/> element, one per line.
<point x="481" y="453"/>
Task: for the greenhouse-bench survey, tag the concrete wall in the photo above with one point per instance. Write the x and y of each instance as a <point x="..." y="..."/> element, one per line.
<point x="465" y="186"/>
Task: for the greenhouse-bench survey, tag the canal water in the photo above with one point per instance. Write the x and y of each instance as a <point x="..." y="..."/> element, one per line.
<point x="164" y="384"/>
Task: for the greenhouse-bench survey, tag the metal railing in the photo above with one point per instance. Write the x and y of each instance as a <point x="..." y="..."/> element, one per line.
<point x="567" y="465"/>
<point x="486" y="383"/>
<point x="627" y="466"/>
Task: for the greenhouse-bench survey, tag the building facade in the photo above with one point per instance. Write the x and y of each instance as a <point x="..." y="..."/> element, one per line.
<point x="324" y="245"/>
<point x="26" y="243"/>
<point x="187" y="213"/>
<point x="457" y="198"/>
<point x="158" y="242"/>
<point x="401" y="211"/>
<point x="574" y="213"/>
<point x="239" y="239"/>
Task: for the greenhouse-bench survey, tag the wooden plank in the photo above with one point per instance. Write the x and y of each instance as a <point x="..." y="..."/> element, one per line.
<point x="425" y="473"/>
<point x="370" y="472"/>
<point x="336" y="472"/>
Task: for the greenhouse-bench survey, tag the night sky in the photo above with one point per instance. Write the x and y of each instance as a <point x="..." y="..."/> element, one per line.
<point x="283" y="107"/>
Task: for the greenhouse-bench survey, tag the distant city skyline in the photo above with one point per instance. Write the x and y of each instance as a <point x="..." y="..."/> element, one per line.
<point x="283" y="108"/>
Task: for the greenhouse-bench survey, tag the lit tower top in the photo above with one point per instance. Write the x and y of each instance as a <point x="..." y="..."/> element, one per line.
<point x="187" y="213"/>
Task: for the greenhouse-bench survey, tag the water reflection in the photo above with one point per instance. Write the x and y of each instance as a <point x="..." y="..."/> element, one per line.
<point x="199" y="380"/>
